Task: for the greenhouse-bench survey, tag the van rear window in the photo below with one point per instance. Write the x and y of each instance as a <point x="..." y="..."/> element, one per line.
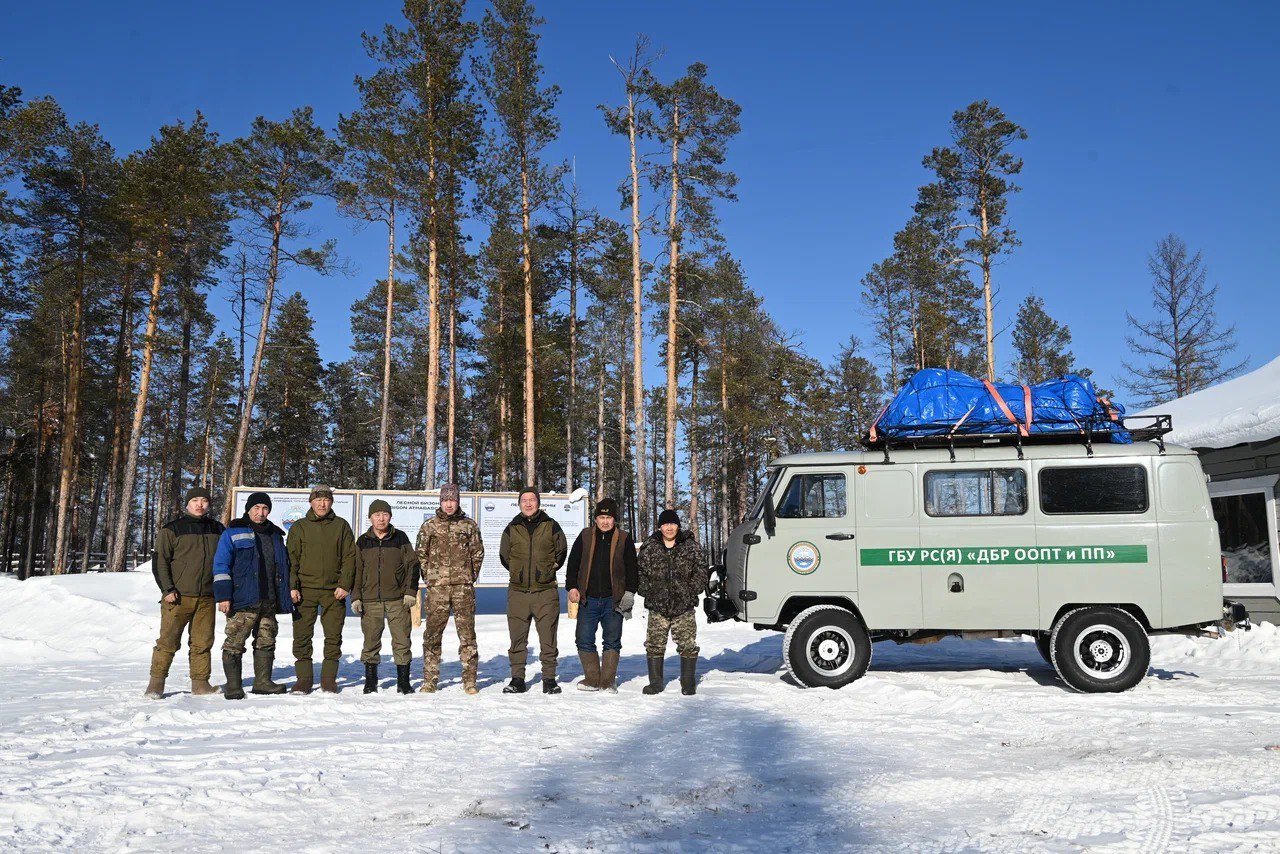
<point x="1094" y="489"/>
<point x="975" y="492"/>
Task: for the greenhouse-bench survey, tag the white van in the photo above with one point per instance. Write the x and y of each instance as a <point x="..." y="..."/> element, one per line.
<point x="1087" y="548"/>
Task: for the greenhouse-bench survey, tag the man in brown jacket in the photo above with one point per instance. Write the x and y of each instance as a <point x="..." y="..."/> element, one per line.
<point x="451" y="552"/>
<point x="322" y="565"/>
<point x="386" y="587"/>
<point x="183" y="569"/>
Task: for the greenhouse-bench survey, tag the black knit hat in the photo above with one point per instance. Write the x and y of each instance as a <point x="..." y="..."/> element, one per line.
<point x="256" y="498"/>
<point x="668" y="516"/>
<point x="606" y="507"/>
<point x="197" y="492"/>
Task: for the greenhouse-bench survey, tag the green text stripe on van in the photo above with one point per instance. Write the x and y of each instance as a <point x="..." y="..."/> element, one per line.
<point x="980" y="555"/>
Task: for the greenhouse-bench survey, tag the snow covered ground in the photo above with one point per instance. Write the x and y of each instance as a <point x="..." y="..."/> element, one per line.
<point x="959" y="746"/>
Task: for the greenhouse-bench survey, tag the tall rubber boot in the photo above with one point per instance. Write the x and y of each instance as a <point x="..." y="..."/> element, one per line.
<point x="655" y="676"/>
<point x="402" y="679"/>
<point x="306" y="673"/>
<point x="155" y="688"/>
<point x="370" y="678"/>
<point x="329" y="677"/>
<point x="590" y="671"/>
<point x="231" y="667"/>
<point x="609" y="672"/>
<point x="688" y="676"/>
<point x="263" y="660"/>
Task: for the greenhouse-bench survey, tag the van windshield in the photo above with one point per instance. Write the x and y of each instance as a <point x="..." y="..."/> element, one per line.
<point x="757" y="506"/>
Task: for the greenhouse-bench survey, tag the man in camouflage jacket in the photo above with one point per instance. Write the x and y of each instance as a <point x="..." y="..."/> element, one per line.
<point x="673" y="574"/>
<point x="451" y="552"/>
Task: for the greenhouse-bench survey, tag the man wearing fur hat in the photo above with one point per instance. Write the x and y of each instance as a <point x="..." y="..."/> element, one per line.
<point x="322" y="556"/>
<point x="532" y="550"/>
<point x="602" y="578"/>
<point x="183" y="569"/>
<point x="451" y="553"/>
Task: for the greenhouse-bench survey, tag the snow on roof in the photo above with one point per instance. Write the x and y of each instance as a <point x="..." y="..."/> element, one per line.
<point x="1244" y="409"/>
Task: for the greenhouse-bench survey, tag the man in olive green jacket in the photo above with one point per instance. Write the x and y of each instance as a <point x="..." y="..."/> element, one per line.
<point x="386" y="588"/>
<point x="322" y="563"/>
<point x="533" y="549"/>
<point x="183" y="569"/>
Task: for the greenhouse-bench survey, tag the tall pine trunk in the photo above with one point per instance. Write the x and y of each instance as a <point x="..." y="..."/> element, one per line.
<point x="242" y="434"/>
<point x="526" y="267"/>
<point x="693" y="444"/>
<point x="116" y="561"/>
<point x="600" y="476"/>
<point x="71" y="408"/>
<point x="637" y="317"/>
<point x="433" y="320"/>
<point x="573" y="347"/>
<point x="673" y="236"/>
<point x="384" y="420"/>
<point x="451" y="428"/>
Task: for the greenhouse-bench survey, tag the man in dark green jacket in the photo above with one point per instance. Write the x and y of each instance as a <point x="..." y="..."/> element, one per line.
<point x="533" y="549"/>
<point x="386" y="589"/>
<point x="183" y="568"/>
<point x="322" y="560"/>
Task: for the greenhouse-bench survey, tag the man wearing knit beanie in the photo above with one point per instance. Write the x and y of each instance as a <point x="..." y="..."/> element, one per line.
<point x="451" y="553"/>
<point x="602" y="578"/>
<point x="183" y="569"/>
<point x="533" y="549"/>
<point x="673" y="574"/>
<point x="386" y="588"/>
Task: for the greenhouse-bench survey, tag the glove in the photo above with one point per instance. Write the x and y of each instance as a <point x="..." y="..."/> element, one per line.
<point x="410" y="600"/>
<point x="358" y="607"/>
<point x="628" y="602"/>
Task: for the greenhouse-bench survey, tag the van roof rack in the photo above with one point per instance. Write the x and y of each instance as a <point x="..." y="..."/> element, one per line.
<point x="1142" y="428"/>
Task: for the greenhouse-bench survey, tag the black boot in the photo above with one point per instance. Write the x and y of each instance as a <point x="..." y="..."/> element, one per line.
<point x="688" y="676"/>
<point x="231" y="667"/>
<point x="549" y="686"/>
<point x="371" y="678"/>
<point x="263" y="660"/>
<point x="516" y="686"/>
<point x="655" y="676"/>
<point x="402" y="679"/>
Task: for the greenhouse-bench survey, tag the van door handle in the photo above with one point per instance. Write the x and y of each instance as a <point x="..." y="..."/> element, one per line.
<point x="840" y="536"/>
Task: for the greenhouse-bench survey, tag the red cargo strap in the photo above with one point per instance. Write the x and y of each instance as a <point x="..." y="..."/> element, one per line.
<point x="1106" y="404"/>
<point x="872" y="434"/>
<point x="1026" y="406"/>
<point x="1004" y="407"/>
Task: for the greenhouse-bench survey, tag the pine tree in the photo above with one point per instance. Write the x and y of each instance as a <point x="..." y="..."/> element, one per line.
<point x="1040" y="344"/>
<point x="853" y="396"/>
<point x="290" y="427"/>
<point x="1183" y="348"/>
<point x="978" y="171"/>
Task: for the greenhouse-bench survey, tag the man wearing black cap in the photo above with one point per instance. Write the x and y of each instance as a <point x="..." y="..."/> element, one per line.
<point x="386" y="587"/>
<point x="673" y="574"/>
<point x="602" y="578"/>
<point x="183" y="569"/>
<point x="533" y="550"/>
<point x="322" y="556"/>
<point x="251" y="584"/>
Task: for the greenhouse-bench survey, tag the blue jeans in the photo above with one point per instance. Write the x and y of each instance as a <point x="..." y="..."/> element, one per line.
<point x="594" y="612"/>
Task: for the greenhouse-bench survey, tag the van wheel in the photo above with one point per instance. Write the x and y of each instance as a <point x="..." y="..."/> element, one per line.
<point x="1100" y="650"/>
<point x="826" y="646"/>
<point x="1042" y="645"/>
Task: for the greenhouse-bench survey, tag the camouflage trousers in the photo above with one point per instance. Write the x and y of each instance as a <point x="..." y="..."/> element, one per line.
<point x="682" y="629"/>
<point x="250" y="621"/>
<point x="460" y="600"/>
<point x="394" y="615"/>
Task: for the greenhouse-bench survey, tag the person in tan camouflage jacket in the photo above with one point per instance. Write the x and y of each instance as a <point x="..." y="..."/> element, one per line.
<point x="451" y="552"/>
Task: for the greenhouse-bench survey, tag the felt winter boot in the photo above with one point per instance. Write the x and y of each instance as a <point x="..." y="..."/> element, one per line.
<point x="231" y="667"/>
<point x="306" y="673"/>
<point x="155" y="688"/>
<point x="402" y="679"/>
<point x="201" y="687"/>
<point x="329" y="677"/>
<point x="655" y="676"/>
<point x="370" y="678"/>
<point x="688" y="675"/>
<point x="263" y="660"/>
<point x="609" y="672"/>
<point x="590" y="671"/>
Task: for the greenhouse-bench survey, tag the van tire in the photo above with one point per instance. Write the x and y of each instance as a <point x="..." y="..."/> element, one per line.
<point x="1086" y="641"/>
<point x="826" y="646"/>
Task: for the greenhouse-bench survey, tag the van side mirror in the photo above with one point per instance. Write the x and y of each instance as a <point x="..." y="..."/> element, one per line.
<point x="770" y="518"/>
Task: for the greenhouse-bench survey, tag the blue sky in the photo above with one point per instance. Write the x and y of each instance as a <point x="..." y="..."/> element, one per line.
<point x="1143" y="120"/>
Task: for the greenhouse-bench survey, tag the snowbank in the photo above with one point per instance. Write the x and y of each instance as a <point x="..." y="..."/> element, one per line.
<point x="1245" y="409"/>
<point x="78" y="617"/>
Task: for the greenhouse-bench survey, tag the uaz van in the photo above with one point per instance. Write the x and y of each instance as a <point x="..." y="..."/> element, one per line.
<point x="1089" y="549"/>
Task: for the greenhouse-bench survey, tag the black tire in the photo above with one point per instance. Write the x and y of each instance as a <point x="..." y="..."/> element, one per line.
<point x="1042" y="646"/>
<point x="826" y="646"/>
<point x="1100" y="649"/>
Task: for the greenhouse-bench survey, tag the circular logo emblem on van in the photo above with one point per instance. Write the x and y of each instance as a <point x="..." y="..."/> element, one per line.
<point x="803" y="558"/>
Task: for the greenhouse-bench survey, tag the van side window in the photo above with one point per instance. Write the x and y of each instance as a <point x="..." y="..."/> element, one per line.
<point x="1094" y="489"/>
<point x="975" y="492"/>
<point x="813" y="496"/>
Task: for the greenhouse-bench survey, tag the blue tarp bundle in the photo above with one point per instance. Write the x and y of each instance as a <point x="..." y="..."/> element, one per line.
<point x="936" y="402"/>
